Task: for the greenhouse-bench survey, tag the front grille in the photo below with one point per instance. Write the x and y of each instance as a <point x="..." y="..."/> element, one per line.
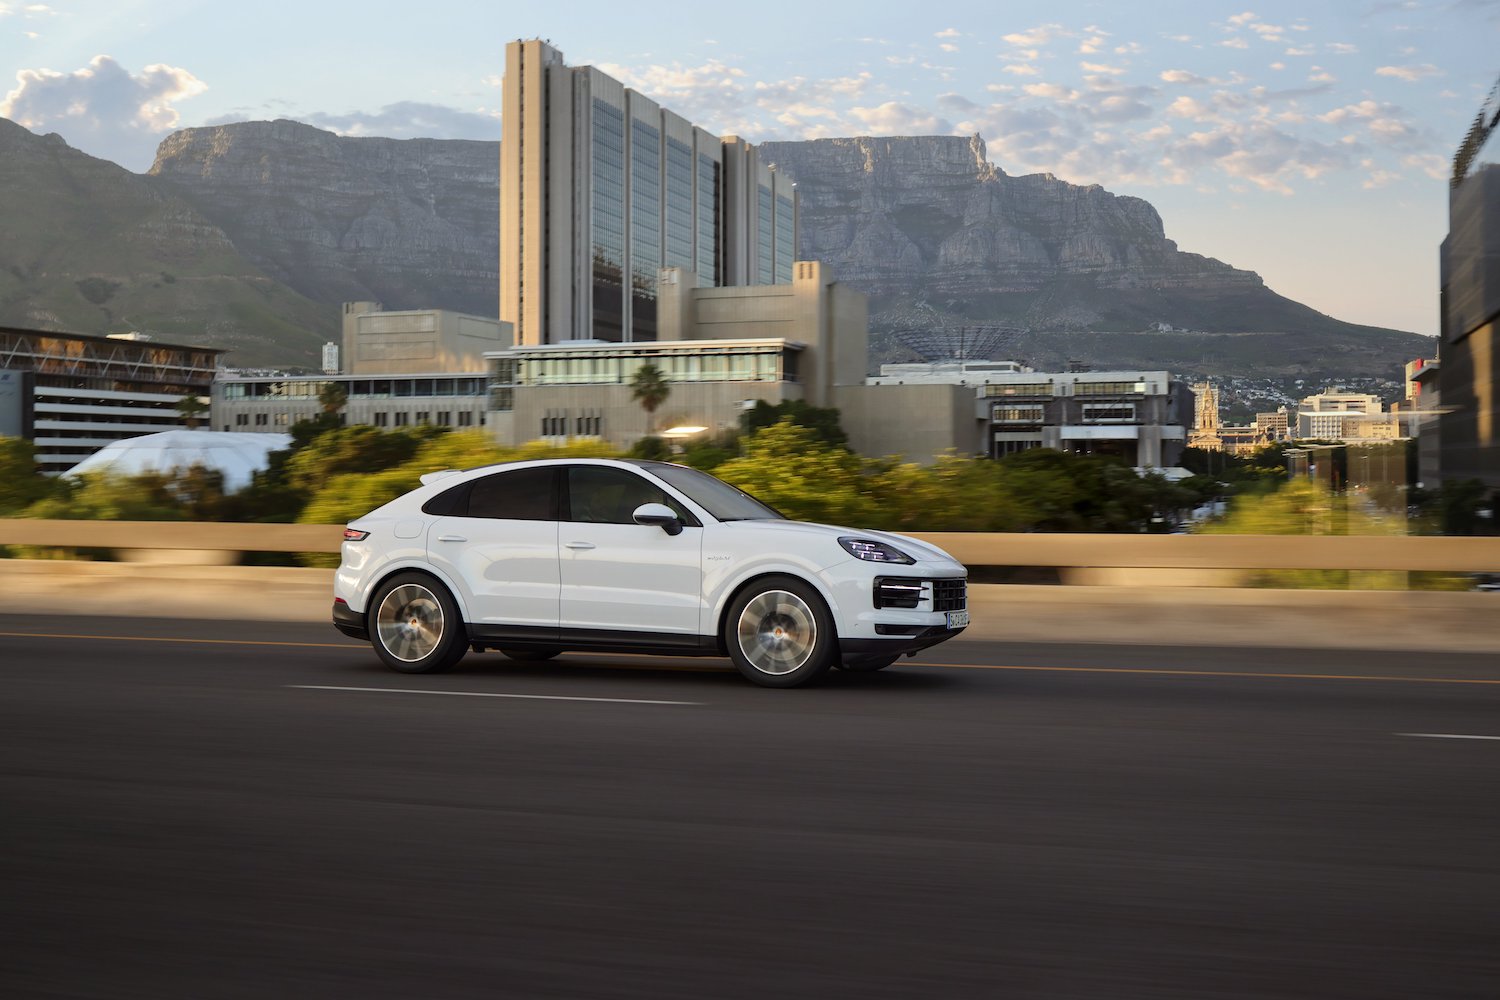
<point x="949" y="595"/>
<point x="911" y="593"/>
<point x="897" y="592"/>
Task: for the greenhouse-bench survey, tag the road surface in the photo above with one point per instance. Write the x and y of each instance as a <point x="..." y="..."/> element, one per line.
<point x="199" y="809"/>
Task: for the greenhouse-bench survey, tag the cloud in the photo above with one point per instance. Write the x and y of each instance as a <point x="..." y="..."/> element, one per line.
<point x="1240" y="20"/>
<point x="1411" y="74"/>
<point x="1235" y="43"/>
<point x="948" y="47"/>
<point x="946" y="33"/>
<point x="411" y="120"/>
<point x="104" y="109"/>
<point x="1182" y="76"/>
<point x="1342" y="48"/>
<point x="1022" y="69"/>
<point x="895" y="118"/>
<point x="1100" y="68"/>
<point x="1035" y="37"/>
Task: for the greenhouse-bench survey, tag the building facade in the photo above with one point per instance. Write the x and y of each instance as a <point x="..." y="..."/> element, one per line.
<point x="377" y="342"/>
<point x="1470" y="307"/>
<point x="72" y="395"/>
<point x="720" y="350"/>
<point x="601" y="188"/>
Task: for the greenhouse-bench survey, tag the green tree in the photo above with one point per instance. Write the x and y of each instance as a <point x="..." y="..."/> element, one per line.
<point x="822" y="421"/>
<point x="649" y="387"/>
<point x="21" y="482"/>
<point x="788" y="467"/>
<point x="333" y="398"/>
<point x="192" y="410"/>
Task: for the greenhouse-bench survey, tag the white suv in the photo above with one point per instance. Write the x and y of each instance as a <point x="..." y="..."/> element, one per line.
<point x="535" y="558"/>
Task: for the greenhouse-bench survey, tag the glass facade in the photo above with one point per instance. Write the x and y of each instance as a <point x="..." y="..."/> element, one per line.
<point x="679" y="207"/>
<point x="773" y="362"/>
<point x="645" y="227"/>
<point x="1019" y="389"/>
<point x="786" y="234"/>
<point x="710" y="269"/>
<point x="765" y="273"/>
<point x="359" y="388"/>
<point x="607" y="220"/>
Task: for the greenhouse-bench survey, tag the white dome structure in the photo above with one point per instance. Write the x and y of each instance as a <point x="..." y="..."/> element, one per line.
<point x="238" y="456"/>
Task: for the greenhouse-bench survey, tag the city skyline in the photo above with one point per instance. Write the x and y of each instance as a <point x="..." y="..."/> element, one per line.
<point x="1307" y="142"/>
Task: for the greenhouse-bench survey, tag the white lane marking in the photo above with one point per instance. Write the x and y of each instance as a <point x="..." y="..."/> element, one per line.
<point x="492" y="694"/>
<point x="1448" y="736"/>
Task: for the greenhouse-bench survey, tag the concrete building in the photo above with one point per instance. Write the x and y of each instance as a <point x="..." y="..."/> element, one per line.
<point x="1470" y="304"/>
<point x="400" y="369"/>
<point x="72" y="395"/>
<point x="1336" y="415"/>
<point x="601" y="188"/>
<point x="721" y="349"/>
<point x="376" y="342"/>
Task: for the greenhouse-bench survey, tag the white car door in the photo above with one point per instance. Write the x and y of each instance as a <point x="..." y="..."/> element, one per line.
<point x="501" y="549"/>
<point x="621" y="576"/>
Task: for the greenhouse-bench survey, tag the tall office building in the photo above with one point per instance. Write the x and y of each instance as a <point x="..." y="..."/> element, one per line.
<point x="601" y="188"/>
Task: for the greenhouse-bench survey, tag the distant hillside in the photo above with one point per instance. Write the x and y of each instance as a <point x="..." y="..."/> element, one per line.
<point x="941" y="239"/>
<point x="412" y="223"/>
<point x="250" y="235"/>
<point x="89" y="247"/>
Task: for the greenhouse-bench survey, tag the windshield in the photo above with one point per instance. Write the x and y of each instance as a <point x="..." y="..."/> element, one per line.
<point x="724" y="502"/>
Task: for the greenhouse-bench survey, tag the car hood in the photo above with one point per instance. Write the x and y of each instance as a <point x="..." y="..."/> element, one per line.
<point x="810" y="530"/>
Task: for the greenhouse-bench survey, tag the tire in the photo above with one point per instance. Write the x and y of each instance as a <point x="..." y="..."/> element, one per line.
<point x="779" y="633"/>
<point x="868" y="664"/>
<point x="530" y="655"/>
<point x="415" y="625"/>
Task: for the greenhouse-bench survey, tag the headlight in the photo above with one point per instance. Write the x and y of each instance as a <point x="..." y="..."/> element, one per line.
<point x="872" y="551"/>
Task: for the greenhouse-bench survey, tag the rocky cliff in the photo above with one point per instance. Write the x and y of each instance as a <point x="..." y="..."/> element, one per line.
<point x="411" y="223"/>
<point x="942" y="239"/>
<point x="89" y="247"/>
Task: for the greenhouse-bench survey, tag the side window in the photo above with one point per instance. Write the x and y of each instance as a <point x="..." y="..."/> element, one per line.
<point x="522" y="495"/>
<point x="603" y="495"/>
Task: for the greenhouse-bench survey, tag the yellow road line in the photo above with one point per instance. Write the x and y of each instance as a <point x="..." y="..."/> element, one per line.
<point x="153" y="638"/>
<point x="1212" y="673"/>
<point x="1159" y="671"/>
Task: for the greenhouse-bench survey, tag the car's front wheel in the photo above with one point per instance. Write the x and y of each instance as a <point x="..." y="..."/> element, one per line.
<point x="779" y="633"/>
<point x="415" y="625"/>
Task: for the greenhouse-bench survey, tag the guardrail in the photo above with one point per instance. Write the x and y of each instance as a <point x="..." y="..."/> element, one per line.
<point x="1406" y="553"/>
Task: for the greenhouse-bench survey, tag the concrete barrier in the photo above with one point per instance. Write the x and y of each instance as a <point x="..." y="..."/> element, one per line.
<point x="1190" y="616"/>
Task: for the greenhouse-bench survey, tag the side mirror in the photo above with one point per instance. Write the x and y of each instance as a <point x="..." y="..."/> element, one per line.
<point x="660" y="515"/>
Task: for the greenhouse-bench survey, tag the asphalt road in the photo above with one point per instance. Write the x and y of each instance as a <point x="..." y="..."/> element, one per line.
<point x="214" y="818"/>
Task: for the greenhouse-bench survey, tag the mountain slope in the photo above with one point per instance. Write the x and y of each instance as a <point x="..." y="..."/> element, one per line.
<point x="91" y="248"/>
<point x="412" y="223"/>
<point x="940" y="238"/>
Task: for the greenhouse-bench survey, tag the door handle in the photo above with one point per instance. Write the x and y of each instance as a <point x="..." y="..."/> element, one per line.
<point x="452" y="538"/>
<point x="579" y="545"/>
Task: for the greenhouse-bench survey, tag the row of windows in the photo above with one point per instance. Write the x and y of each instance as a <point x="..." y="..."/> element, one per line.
<point x="584" y="425"/>
<point x="1079" y="388"/>
<point x="752" y="365"/>
<point x="377" y="388"/>
<point x="593" y="494"/>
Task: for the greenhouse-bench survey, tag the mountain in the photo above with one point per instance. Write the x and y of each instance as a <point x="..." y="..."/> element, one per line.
<point x="89" y="247"/>
<point x="250" y="236"/>
<point x="412" y="223"/>
<point x="943" y="240"/>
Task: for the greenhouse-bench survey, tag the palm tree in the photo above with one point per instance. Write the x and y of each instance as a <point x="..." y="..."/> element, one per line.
<point x="191" y="409"/>
<point x="333" y="398"/>
<point x="649" y="386"/>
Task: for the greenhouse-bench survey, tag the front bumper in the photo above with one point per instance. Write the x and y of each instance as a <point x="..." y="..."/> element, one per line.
<point x="349" y="622"/>
<point x="896" y="645"/>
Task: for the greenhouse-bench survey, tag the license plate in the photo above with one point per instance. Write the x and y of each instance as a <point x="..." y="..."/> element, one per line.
<point x="958" y="619"/>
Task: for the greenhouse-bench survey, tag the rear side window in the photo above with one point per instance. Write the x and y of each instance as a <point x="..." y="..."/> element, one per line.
<point x="522" y="495"/>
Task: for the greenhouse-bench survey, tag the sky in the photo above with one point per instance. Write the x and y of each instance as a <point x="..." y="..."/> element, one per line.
<point x="1307" y="141"/>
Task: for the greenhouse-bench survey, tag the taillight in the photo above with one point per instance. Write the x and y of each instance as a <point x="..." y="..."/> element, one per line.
<point x="355" y="535"/>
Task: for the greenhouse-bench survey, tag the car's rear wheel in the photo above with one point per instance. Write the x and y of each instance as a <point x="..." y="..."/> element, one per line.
<point x="866" y="664"/>
<point x="779" y="633"/>
<point x="530" y="654"/>
<point x="415" y="625"/>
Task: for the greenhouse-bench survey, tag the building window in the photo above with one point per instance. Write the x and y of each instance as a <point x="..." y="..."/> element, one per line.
<point x="1108" y="413"/>
<point x="424" y="417"/>
<point x="262" y="419"/>
<point x="283" y="419"/>
<point x="382" y="419"/>
<point x="1019" y="389"/>
<point x="1016" y="414"/>
<point x="444" y="418"/>
<point x="1108" y="388"/>
<point x="403" y="419"/>
<point x="465" y="418"/>
<point x="242" y="420"/>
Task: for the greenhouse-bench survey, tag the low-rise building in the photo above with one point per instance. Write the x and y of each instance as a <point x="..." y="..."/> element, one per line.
<point x="71" y="395"/>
